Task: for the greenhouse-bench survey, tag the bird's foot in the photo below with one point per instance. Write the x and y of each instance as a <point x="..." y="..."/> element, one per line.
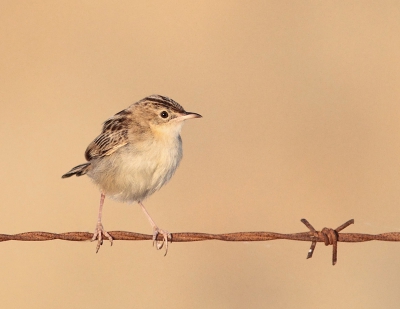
<point x="166" y="236"/>
<point x="98" y="232"/>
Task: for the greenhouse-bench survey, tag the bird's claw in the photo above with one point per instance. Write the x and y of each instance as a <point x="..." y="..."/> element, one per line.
<point x="98" y="232"/>
<point x="166" y="236"/>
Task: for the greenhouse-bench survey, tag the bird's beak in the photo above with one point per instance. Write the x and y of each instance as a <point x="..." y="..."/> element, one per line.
<point x="188" y="115"/>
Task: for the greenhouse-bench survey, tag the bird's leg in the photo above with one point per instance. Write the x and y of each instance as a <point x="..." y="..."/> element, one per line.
<point x="157" y="231"/>
<point x="99" y="231"/>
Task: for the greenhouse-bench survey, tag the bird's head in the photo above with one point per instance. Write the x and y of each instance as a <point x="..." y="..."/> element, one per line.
<point x="164" y="116"/>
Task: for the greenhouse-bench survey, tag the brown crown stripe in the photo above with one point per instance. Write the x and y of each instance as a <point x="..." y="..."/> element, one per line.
<point x="165" y="102"/>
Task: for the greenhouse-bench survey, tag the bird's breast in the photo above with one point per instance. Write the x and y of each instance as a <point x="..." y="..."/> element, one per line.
<point x="135" y="171"/>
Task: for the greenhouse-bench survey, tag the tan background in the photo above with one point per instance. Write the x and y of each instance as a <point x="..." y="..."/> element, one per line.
<point x="301" y="119"/>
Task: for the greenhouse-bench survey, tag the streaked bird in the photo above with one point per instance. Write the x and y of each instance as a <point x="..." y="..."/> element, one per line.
<point x="136" y="153"/>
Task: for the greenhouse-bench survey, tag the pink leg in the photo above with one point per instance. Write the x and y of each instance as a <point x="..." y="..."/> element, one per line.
<point x="99" y="231"/>
<point x="157" y="231"/>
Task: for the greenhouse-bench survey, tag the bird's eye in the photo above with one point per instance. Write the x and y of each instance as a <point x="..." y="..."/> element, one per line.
<point x="164" y="114"/>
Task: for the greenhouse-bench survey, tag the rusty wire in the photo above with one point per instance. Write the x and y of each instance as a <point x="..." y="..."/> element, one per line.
<point x="326" y="235"/>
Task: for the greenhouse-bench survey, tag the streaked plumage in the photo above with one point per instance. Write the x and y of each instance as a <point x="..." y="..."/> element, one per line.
<point x="137" y="151"/>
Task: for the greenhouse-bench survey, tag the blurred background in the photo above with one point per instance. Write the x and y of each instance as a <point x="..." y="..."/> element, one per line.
<point x="300" y="105"/>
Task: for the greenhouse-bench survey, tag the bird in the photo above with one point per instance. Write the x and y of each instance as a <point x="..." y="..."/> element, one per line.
<point x="136" y="153"/>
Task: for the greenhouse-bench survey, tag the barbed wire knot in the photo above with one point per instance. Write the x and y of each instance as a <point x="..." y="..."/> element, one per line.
<point x="327" y="235"/>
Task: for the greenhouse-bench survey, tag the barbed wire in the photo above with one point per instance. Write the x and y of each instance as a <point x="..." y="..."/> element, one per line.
<point x="326" y="235"/>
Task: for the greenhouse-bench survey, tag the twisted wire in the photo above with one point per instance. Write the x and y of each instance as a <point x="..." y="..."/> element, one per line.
<point x="328" y="236"/>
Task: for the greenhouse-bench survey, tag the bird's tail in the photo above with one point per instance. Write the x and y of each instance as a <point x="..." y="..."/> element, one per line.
<point x="77" y="170"/>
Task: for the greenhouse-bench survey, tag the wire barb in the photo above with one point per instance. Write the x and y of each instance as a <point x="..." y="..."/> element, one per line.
<point x="327" y="236"/>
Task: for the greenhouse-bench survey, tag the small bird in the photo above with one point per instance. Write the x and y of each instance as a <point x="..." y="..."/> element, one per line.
<point x="136" y="153"/>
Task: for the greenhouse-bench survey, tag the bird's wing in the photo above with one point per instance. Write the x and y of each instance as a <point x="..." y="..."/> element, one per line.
<point x="113" y="136"/>
<point x="106" y="144"/>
